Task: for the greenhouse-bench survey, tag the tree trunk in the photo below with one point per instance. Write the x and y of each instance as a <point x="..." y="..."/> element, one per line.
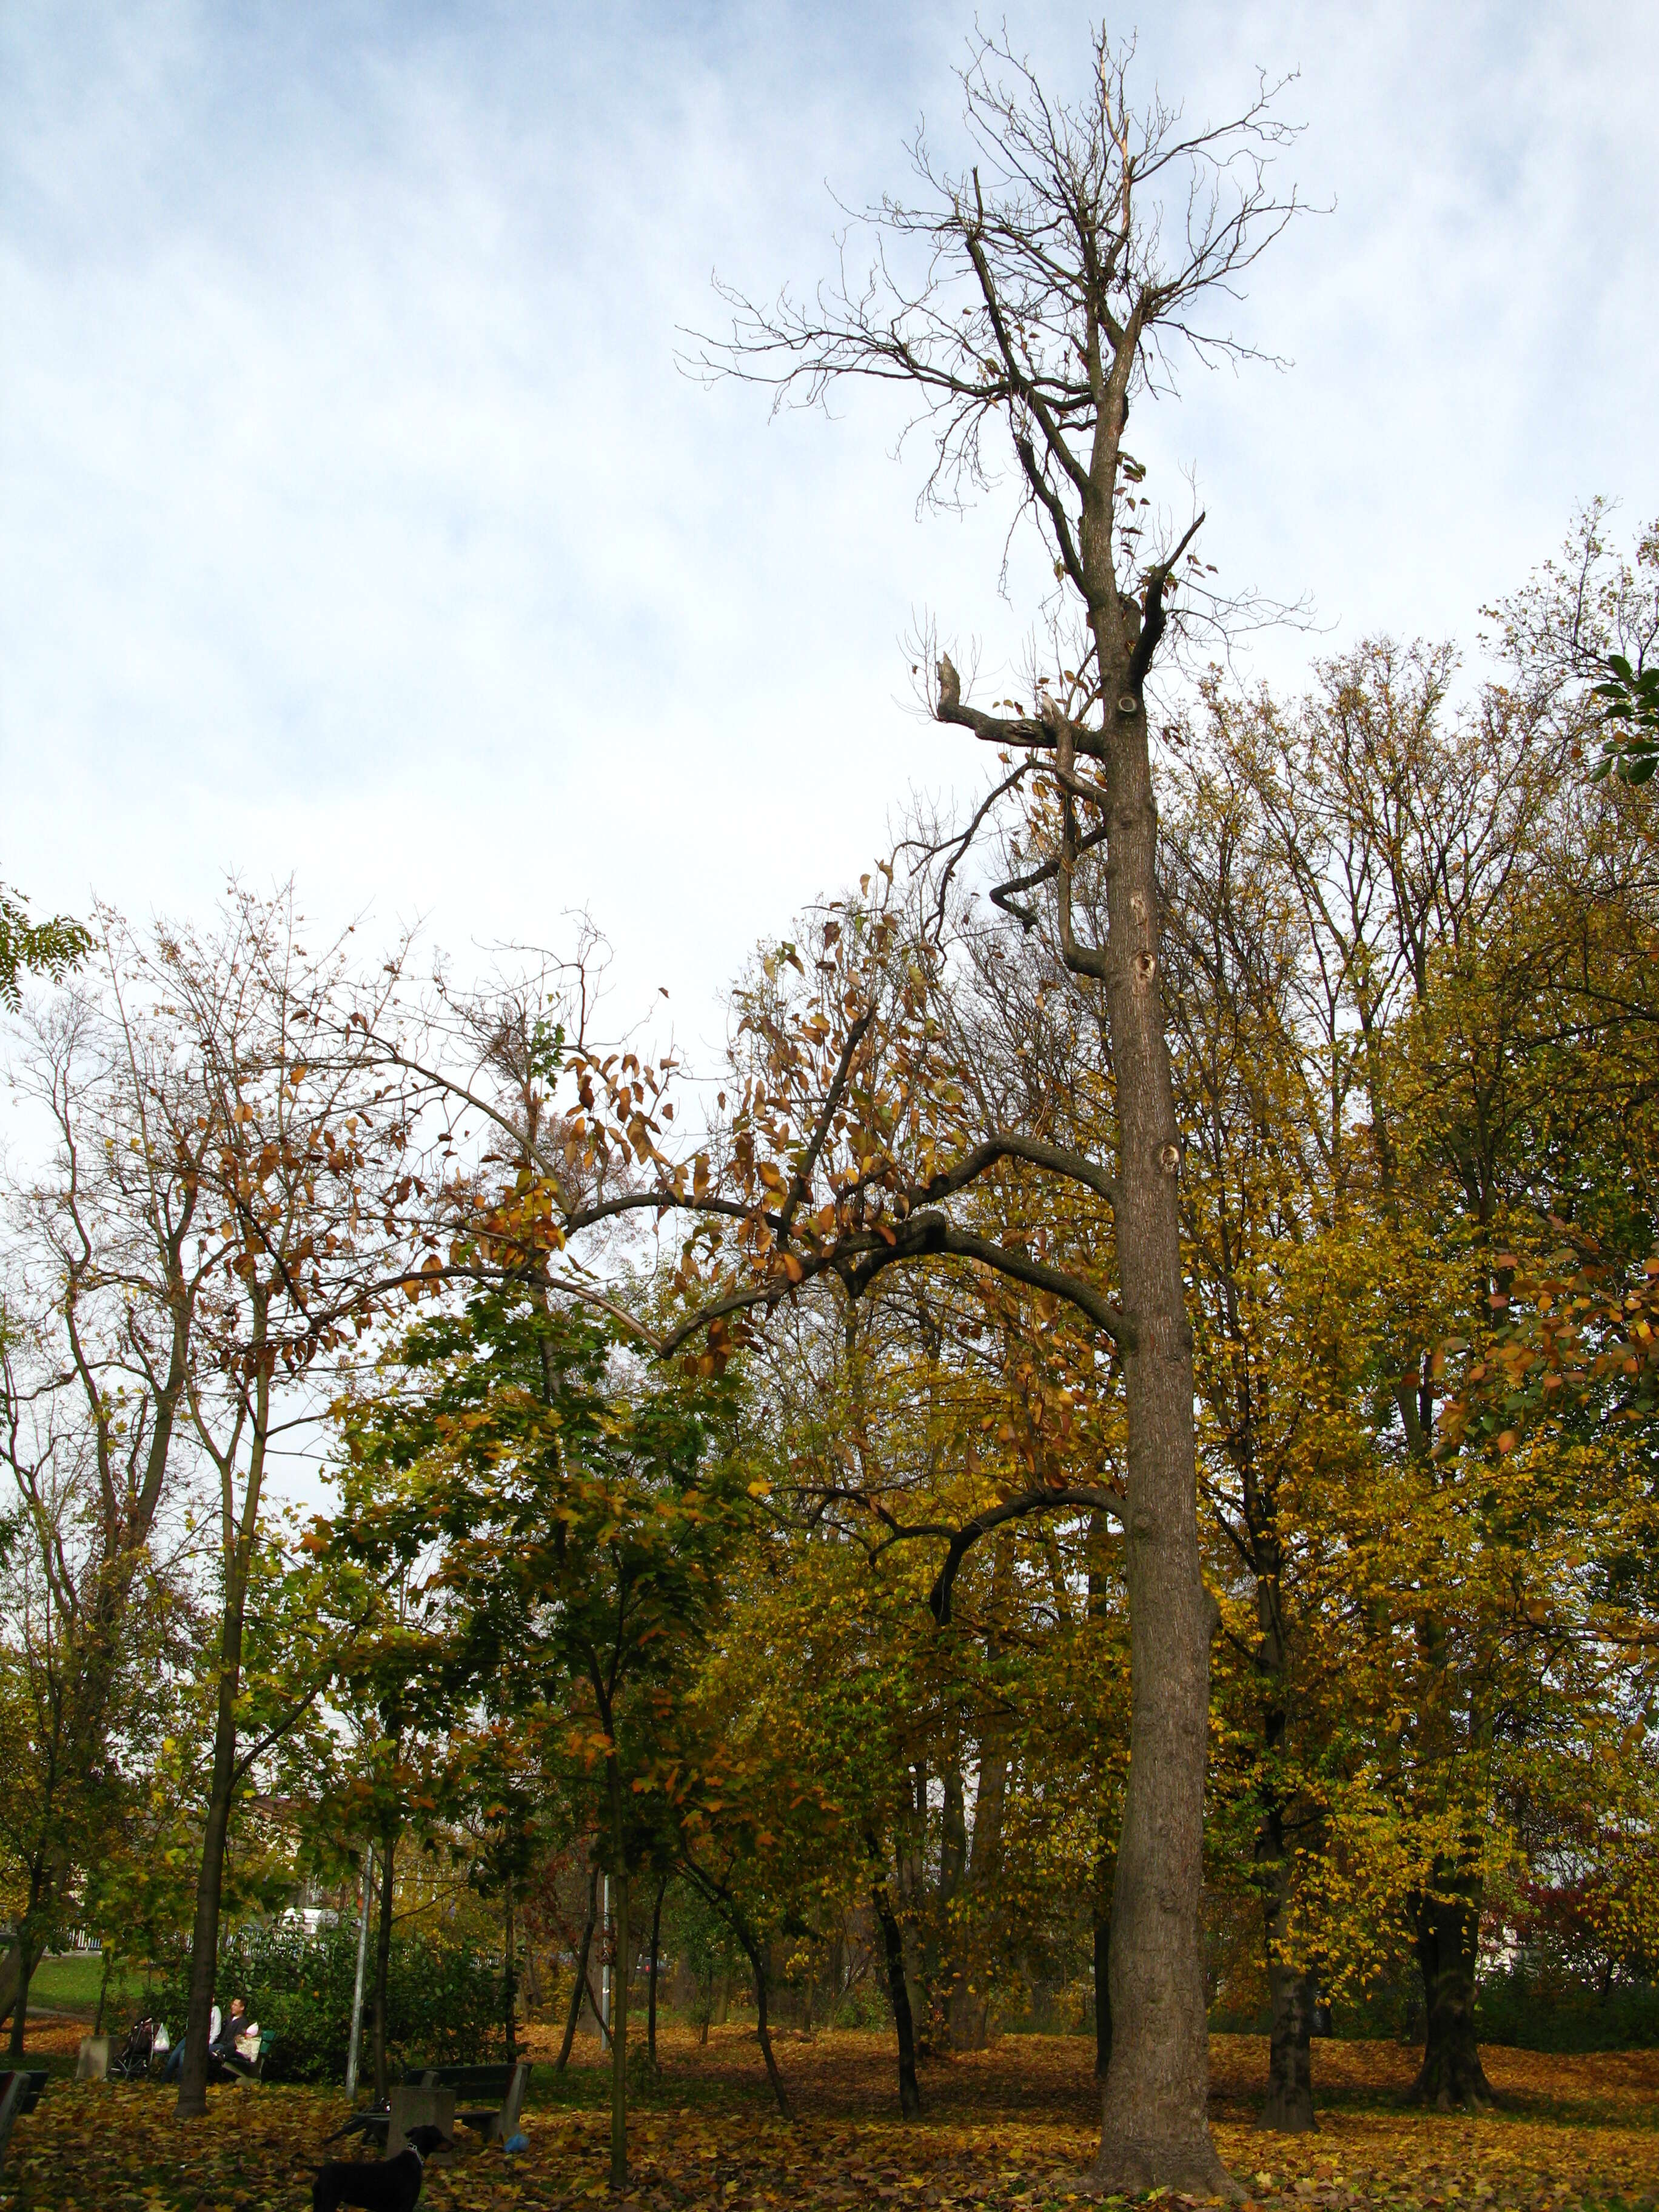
<point x="1103" y="1931"/>
<point x="510" y="1982"/>
<point x="354" y="2044"/>
<point x="383" y="1965"/>
<point x="1155" y="2130"/>
<point x="892" y="1939"/>
<point x="210" y="1880"/>
<point x="28" y="1943"/>
<point x="1100" y="1897"/>
<point x="1448" y="1948"/>
<point x="970" y="2010"/>
<point x="757" y="1961"/>
<point x="947" y="1978"/>
<point x="26" y="1957"/>
<point x="237" y="1539"/>
<point x="619" y="2030"/>
<point x="580" y="1990"/>
<point x="1291" y="1989"/>
<point x="1288" y="2108"/>
<point x="910" y="1855"/>
<point x="19" y="2019"/>
<point x="103" y="1988"/>
<point x="205" y="1934"/>
<point x="10" y="1963"/>
<point x="651" y="1986"/>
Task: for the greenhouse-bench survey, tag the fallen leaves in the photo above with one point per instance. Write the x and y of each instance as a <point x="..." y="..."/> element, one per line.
<point x="1008" y="2128"/>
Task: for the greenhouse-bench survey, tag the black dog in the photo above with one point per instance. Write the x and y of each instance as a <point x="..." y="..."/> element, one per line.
<point x="391" y="2185"/>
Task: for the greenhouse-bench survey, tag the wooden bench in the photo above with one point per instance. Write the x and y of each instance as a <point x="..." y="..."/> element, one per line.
<point x="488" y="2098"/>
<point x="19" y="2092"/>
<point x="231" y="2066"/>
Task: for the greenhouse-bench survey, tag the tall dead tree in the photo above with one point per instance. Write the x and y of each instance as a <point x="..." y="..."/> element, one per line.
<point x="1031" y="299"/>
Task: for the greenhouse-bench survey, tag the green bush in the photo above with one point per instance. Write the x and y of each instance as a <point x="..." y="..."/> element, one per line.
<point x="1535" y="2009"/>
<point x="444" y="2004"/>
<point x="1556" y="2012"/>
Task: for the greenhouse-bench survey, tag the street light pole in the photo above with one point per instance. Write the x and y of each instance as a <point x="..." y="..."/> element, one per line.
<point x="604" y="1964"/>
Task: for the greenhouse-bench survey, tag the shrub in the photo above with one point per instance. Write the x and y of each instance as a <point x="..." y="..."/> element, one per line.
<point x="444" y="2003"/>
<point x="1558" y="2012"/>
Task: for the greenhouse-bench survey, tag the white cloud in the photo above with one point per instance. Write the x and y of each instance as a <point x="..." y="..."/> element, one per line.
<point x="356" y="521"/>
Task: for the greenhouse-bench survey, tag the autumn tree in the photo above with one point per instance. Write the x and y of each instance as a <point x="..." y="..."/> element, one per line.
<point x="389" y="1771"/>
<point x="76" y="1814"/>
<point x="1458" y="1003"/>
<point x="272" y="1111"/>
<point x="1277" y="1365"/>
<point x="945" y="1494"/>
<point x="104" y="1273"/>
<point x="576" y="1534"/>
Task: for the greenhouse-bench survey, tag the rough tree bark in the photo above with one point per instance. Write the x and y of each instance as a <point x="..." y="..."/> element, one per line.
<point x="1291" y="1990"/>
<point x="1155" y="2129"/>
<point x="1447" y="1946"/>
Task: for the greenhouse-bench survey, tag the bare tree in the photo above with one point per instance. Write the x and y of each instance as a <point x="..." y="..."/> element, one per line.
<point x="308" y="1200"/>
<point x="233" y="1194"/>
<point x="1029" y="301"/>
<point x="103" y="1280"/>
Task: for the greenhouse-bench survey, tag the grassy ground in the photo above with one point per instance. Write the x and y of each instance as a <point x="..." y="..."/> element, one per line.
<point x="71" y="1984"/>
<point x="1004" y="2130"/>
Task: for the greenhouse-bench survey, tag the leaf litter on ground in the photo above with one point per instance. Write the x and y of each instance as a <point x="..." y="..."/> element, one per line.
<point x="1010" y="2127"/>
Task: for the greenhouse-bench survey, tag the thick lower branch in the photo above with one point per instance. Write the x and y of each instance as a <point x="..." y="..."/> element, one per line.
<point x="1077" y="1497"/>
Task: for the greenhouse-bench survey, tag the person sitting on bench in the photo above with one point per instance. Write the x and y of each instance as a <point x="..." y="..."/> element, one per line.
<point x="175" y="2066"/>
<point x="238" y="2044"/>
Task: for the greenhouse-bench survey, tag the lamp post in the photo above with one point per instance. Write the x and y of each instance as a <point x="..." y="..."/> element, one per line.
<point x="604" y="1964"/>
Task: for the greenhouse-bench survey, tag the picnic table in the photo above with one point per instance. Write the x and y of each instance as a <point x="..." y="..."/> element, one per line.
<point x="19" y="2092"/>
<point x="488" y="2098"/>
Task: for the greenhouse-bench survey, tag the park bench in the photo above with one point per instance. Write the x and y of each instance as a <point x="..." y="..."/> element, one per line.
<point x="19" y="2092"/>
<point x="232" y="2067"/>
<point x="488" y="2098"/>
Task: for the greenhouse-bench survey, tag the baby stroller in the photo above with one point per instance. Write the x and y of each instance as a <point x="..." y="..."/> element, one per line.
<point x="131" y="2062"/>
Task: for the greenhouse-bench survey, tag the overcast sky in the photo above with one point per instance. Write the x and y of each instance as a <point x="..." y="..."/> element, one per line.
<point x="356" y="523"/>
